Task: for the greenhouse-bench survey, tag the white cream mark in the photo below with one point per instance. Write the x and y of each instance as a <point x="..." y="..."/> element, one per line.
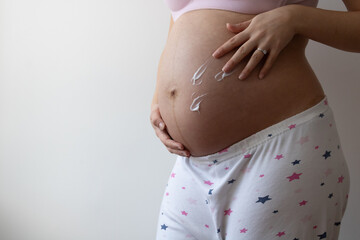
<point x="219" y="77"/>
<point x="201" y="71"/>
<point x="195" y="105"/>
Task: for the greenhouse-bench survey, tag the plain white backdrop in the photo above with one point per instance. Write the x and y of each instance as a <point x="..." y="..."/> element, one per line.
<point x="79" y="159"/>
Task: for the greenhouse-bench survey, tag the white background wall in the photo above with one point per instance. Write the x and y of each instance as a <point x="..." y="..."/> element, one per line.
<point x="79" y="159"/>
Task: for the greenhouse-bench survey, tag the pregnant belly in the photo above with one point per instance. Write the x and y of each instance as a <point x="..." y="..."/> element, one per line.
<point x="208" y="111"/>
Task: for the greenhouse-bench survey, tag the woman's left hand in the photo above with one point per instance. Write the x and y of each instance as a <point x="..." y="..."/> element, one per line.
<point x="271" y="31"/>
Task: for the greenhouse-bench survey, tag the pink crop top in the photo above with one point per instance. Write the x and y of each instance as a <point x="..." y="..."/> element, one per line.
<point x="179" y="7"/>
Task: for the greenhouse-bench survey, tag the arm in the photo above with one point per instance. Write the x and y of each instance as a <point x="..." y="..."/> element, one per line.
<point x="154" y="101"/>
<point x="337" y="29"/>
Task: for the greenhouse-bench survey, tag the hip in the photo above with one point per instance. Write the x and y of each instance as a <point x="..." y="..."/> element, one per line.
<point x="291" y="172"/>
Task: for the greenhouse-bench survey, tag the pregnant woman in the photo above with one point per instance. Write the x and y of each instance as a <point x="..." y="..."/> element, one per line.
<point x="258" y="157"/>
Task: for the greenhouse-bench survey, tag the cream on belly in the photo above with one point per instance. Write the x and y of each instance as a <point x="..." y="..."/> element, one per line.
<point x="195" y="105"/>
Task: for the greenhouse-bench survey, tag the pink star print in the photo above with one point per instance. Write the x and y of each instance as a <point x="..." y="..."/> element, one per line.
<point x="340" y="179"/>
<point x="184" y="213"/>
<point x="167" y="194"/>
<point x="292" y="126"/>
<point x="243" y="230"/>
<point x="247" y="155"/>
<point x="294" y="176"/>
<point x="303" y="140"/>
<point x="325" y="102"/>
<point x="192" y="201"/>
<point x="280" y="234"/>
<point x="328" y="171"/>
<point x="316" y="147"/>
<point x="298" y="190"/>
<point x="279" y="156"/>
<point x="306" y="218"/>
<point x="208" y="182"/>
<point x="228" y="212"/>
<point x="207" y="226"/>
<point x="224" y="150"/>
<point x="261" y="175"/>
<point x="303" y="202"/>
<point x="226" y="168"/>
<point x="173" y="175"/>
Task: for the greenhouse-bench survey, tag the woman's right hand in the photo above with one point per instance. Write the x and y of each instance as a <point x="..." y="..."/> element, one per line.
<point x="161" y="132"/>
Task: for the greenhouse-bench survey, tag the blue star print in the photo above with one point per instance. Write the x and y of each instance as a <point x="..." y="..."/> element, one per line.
<point x="231" y="181"/>
<point x="321" y="236"/>
<point x="296" y="162"/>
<point x="327" y="154"/>
<point x="263" y="199"/>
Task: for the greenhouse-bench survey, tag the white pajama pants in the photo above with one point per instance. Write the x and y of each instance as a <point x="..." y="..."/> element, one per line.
<point x="289" y="181"/>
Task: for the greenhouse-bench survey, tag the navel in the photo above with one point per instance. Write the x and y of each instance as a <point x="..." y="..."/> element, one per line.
<point x="173" y="92"/>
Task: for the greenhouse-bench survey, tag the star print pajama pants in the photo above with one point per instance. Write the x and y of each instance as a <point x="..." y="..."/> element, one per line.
<point x="288" y="181"/>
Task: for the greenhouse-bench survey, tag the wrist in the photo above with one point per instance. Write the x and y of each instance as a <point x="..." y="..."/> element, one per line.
<point x="296" y="13"/>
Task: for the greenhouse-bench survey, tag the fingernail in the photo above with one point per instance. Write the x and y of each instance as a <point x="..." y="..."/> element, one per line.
<point x="161" y="125"/>
<point x="215" y="53"/>
<point x="261" y="76"/>
<point x="242" y="76"/>
<point x="180" y="147"/>
<point x="225" y="68"/>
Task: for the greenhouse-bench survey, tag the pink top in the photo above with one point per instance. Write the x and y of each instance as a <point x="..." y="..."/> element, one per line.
<point x="179" y="7"/>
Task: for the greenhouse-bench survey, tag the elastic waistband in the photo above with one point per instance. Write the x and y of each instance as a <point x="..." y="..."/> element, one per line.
<point x="265" y="134"/>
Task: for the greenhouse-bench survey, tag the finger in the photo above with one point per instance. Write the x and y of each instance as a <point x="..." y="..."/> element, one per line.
<point x="178" y="152"/>
<point x="268" y="63"/>
<point x="156" y="120"/>
<point x="238" y="56"/>
<point x="254" y="60"/>
<point x="238" y="27"/>
<point x="230" y="44"/>
<point x="167" y="141"/>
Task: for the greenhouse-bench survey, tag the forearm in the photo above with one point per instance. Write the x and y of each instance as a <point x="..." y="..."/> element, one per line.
<point x="337" y="29"/>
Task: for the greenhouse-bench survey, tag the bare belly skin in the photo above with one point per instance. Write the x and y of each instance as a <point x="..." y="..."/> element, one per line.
<point x="232" y="109"/>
